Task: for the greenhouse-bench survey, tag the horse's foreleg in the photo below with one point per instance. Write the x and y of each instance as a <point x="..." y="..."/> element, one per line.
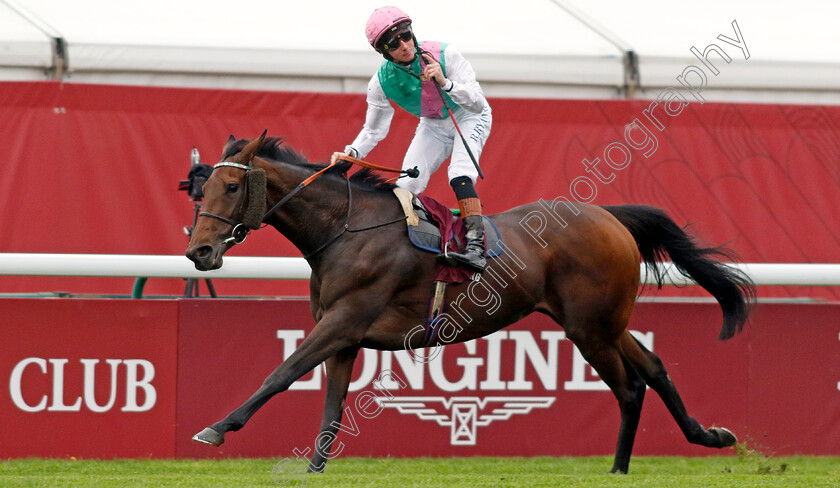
<point x="339" y="370"/>
<point x="650" y="367"/>
<point x="332" y="334"/>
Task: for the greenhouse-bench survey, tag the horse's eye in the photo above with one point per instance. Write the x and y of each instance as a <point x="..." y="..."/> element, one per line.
<point x="232" y="188"/>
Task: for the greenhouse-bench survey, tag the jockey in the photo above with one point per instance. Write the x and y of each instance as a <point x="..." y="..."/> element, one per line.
<point x="405" y="77"/>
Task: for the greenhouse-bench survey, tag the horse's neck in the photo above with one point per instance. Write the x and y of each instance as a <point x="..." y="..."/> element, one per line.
<point x="312" y="215"/>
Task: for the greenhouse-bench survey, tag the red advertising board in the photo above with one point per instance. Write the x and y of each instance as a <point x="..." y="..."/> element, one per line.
<point x="88" y="378"/>
<point x="523" y="391"/>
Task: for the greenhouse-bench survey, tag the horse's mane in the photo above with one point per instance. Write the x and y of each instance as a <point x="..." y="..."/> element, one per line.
<point x="276" y="151"/>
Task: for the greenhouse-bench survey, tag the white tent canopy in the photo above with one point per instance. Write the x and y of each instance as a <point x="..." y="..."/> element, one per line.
<point x="25" y="51"/>
<point x="527" y="48"/>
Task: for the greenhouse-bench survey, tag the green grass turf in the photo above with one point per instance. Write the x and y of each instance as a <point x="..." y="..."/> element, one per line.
<point x="745" y="470"/>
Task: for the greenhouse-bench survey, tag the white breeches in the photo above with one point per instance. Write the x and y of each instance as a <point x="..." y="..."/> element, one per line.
<point x="436" y="139"/>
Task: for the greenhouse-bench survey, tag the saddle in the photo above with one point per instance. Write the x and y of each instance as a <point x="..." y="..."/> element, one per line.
<point x="429" y="219"/>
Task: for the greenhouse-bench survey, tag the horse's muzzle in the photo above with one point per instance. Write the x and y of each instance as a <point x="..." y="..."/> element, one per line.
<point x="205" y="258"/>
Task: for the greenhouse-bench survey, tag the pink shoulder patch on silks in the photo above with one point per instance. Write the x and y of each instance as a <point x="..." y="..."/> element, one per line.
<point x="431" y="103"/>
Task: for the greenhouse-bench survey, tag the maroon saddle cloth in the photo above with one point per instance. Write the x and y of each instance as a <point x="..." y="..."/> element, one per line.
<point x="440" y="231"/>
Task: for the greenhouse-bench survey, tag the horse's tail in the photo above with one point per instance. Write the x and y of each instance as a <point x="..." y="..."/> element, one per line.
<point x="657" y="235"/>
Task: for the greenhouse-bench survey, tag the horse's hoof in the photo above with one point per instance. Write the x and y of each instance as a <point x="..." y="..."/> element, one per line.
<point x="210" y="437"/>
<point x="727" y="438"/>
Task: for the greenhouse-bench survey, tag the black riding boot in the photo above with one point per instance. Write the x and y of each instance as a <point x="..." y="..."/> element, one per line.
<point x="473" y="256"/>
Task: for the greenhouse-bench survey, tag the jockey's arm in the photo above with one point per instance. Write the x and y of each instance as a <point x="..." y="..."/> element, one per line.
<point x="462" y="87"/>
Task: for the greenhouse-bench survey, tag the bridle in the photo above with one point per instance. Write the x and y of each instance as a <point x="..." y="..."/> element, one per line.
<point x="241" y="229"/>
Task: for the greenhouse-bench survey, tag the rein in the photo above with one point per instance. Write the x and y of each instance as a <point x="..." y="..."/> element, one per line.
<point x="346" y="226"/>
<point x="240" y="230"/>
<point x="411" y="173"/>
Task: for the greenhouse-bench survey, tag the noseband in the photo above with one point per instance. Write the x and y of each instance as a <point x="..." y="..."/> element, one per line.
<point x="255" y="198"/>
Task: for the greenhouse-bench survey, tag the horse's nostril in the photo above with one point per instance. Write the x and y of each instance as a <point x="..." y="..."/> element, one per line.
<point x="199" y="253"/>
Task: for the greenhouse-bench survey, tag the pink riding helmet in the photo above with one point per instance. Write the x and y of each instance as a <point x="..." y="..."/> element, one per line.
<point x="381" y="21"/>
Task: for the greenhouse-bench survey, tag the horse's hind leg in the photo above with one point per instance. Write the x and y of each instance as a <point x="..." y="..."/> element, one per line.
<point x="627" y="387"/>
<point x="339" y="370"/>
<point x="650" y="367"/>
<point x="630" y="416"/>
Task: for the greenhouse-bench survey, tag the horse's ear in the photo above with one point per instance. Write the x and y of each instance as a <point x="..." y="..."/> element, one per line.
<point x="228" y="144"/>
<point x="252" y="148"/>
<point x="262" y="138"/>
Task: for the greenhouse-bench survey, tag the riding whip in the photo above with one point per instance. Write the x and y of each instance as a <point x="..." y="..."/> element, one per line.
<point x="452" y="116"/>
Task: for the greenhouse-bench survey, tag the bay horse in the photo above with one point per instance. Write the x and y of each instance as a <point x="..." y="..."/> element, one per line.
<point x="370" y="286"/>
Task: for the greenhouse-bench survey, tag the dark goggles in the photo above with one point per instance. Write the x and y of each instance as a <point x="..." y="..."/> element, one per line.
<point x="394" y="41"/>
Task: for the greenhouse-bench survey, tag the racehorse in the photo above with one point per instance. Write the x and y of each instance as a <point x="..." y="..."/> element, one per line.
<point x="369" y="286"/>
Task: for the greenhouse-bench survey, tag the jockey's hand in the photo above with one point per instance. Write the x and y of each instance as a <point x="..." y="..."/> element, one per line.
<point x="433" y="70"/>
<point x="350" y="153"/>
<point x="336" y="156"/>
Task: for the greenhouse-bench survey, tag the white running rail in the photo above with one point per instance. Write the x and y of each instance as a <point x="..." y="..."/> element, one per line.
<point x="288" y="268"/>
<point x="149" y="266"/>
